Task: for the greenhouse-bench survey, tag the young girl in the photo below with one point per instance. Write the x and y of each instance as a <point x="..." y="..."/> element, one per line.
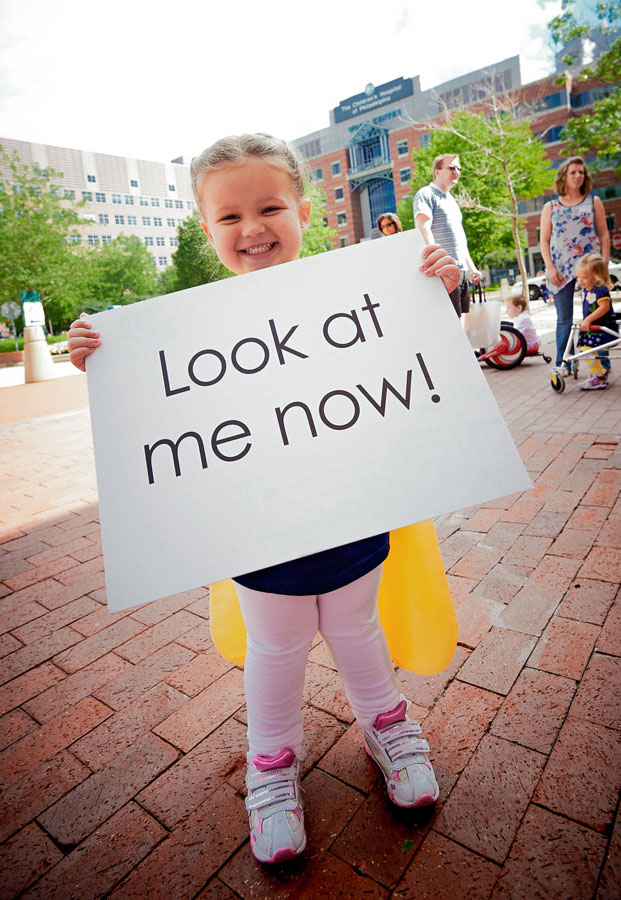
<point x="518" y="312"/>
<point x="592" y="274"/>
<point x="250" y="191"/>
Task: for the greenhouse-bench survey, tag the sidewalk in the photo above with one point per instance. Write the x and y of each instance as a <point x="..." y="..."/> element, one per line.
<point x="122" y="736"/>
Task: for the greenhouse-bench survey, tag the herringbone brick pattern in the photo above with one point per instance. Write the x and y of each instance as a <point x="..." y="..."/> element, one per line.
<point x="122" y="739"/>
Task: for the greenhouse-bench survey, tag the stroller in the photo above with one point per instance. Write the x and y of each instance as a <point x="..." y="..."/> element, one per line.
<point x="571" y="359"/>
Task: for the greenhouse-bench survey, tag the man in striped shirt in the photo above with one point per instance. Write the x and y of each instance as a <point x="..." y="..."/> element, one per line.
<point x="438" y="217"/>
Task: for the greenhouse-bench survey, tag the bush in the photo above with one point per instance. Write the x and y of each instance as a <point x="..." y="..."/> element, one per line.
<point x="7" y="345"/>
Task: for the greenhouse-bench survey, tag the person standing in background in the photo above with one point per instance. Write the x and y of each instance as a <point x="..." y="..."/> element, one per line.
<point x="439" y="219"/>
<point x="572" y="224"/>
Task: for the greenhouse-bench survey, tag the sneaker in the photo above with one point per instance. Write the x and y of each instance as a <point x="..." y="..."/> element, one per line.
<point x="395" y="744"/>
<point x="594" y="384"/>
<point x="564" y="369"/>
<point x="275" y="811"/>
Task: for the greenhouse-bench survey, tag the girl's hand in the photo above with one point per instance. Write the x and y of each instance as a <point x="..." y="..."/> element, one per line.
<point x="436" y="261"/>
<point x="81" y="340"/>
<point x="584" y="325"/>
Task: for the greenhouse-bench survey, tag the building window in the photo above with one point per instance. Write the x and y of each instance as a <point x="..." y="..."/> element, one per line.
<point x="168" y="203"/>
<point x="100" y="198"/>
<point x="76" y="239"/>
<point x="160" y="241"/>
<point x="106" y="239"/>
<point x="162" y="260"/>
<point x="93" y="239"/>
<point x="179" y="221"/>
<point x="69" y="194"/>
<point x="91" y="178"/>
<point x="402" y="148"/>
<point x="610" y="221"/>
<point x="148" y="241"/>
<point x="318" y="174"/>
<point x="424" y="140"/>
<point x="116" y="198"/>
<point x="155" y="201"/>
<point x="179" y="204"/>
<point x="339" y="194"/>
<point x="405" y="175"/>
<point x="119" y="220"/>
<point x="189" y="204"/>
<point x="157" y="221"/>
<point x="344" y="240"/>
<point x="341" y="218"/>
<point x="133" y="182"/>
<point x="146" y="221"/>
<point x="170" y="223"/>
<point x="312" y="148"/>
<point x="336" y="169"/>
<point x="131" y="220"/>
<point x="129" y="200"/>
<point x="104" y="219"/>
<point x="171" y="187"/>
<point x="144" y="201"/>
<point x="173" y="242"/>
<point x="86" y="195"/>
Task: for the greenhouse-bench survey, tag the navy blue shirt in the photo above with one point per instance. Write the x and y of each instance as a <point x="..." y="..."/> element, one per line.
<point x="320" y="572"/>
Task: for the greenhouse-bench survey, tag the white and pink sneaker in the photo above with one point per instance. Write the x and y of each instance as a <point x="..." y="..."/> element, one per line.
<point x="395" y="744"/>
<point x="274" y="808"/>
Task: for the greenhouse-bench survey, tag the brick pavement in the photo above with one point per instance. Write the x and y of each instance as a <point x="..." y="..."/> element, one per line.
<point x="122" y="736"/>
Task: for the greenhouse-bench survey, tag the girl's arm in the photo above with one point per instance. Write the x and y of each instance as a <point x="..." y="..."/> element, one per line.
<point x="603" y="306"/>
<point x="601" y="228"/>
<point x="545" y="225"/>
<point x="82" y="340"/>
<point x="436" y="261"/>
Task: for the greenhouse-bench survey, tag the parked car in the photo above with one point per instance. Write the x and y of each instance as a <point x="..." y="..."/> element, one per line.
<point x="537" y="287"/>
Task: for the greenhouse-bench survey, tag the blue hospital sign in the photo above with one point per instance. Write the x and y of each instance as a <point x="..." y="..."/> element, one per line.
<point x="372" y="98"/>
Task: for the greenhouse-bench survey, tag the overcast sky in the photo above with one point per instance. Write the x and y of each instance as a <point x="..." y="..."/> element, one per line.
<point x="156" y="80"/>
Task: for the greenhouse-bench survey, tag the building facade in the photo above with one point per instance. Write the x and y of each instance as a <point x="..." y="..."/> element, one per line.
<point x="123" y="196"/>
<point x="363" y="159"/>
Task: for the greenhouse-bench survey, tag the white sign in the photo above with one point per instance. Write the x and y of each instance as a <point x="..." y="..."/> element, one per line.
<point x="33" y="313"/>
<point x="262" y="418"/>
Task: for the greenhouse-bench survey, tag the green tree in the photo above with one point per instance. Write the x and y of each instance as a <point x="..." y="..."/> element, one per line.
<point x="597" y="132"/>
<point x="37" y="223"/>
<point x="118" y="273"/>
<point x="195" y="261"/>
<point x="503" y="164"/>
<point x="318" y="236"/>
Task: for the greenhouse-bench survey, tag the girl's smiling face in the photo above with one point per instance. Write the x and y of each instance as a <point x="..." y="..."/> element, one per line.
<point x="252" y="214"/>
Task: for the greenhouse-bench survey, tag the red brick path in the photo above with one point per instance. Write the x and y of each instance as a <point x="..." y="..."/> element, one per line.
<point x="122" y="736"/>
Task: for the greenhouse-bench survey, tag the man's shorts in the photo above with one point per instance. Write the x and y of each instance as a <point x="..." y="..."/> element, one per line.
<point x="460" y="297"/>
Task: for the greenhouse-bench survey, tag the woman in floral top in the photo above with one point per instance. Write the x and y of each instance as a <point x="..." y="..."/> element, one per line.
<point x="572" y="224"/>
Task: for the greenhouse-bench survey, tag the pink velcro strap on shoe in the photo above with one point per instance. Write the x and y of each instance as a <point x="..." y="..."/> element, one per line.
<point x="389" y="718"/>
<point x="286" y="757"/>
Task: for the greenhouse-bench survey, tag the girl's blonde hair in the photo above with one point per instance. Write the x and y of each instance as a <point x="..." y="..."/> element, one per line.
<point x="245" y="146"/>
<point x="560" y="182"/>
<point x="596" y="264"/>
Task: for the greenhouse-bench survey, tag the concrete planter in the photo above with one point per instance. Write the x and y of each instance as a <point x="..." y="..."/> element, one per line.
<point x="9" y="359"/>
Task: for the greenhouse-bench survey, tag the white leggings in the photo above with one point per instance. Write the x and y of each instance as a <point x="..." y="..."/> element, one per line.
<point x="281" y="629"/>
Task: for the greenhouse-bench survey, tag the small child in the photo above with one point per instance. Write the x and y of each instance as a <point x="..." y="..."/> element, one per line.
<point x="517" y="309"/>
<point x="251" y="194"/>
<point x="592" y="274"/>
